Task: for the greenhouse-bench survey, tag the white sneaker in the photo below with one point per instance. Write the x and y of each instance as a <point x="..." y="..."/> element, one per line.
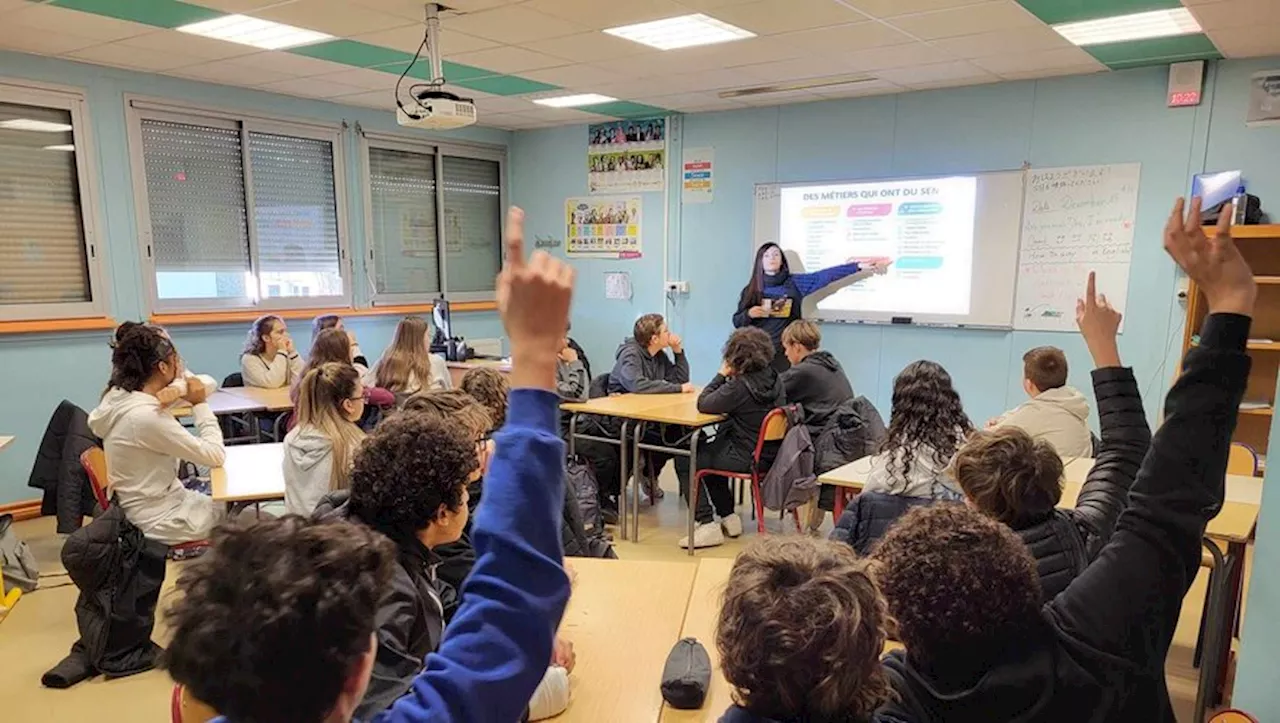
<point x="705" y="535"/>
<point x="732" y="524"/>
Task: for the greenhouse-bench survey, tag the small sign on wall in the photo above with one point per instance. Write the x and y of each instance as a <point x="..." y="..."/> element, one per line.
<point x="1186" y="80"/>
<point x="697" y="183"/>
<point x="1264" y="98"/>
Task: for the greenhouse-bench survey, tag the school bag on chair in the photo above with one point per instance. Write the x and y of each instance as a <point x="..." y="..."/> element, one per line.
<point x="853" y="431"/>
<point x="791" y="481"/>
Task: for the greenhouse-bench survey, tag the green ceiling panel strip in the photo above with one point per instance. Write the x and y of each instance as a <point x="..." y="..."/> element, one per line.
<point x="504" y="85"/>
<point x="353" y="53"/>
<point x="1053" y="12"/>
<point x="1156" y="51"/>
<point x="453" y="72"/>
<point x="627" y="109"/>
<point x="159" y="13"/>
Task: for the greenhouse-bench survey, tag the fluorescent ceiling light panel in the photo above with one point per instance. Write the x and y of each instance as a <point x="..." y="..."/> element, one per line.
<point x="685" y="31"/>
<point x="257" y="32"/>
<point x="573" y="101"/>
<point x="1138" y="26"/>
<point x="27" y="124"/>
<point x="62" y="147"/>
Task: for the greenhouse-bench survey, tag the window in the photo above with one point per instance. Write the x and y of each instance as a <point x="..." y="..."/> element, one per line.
<point x="48" y="262"/>
<point x="435" y="220"/>
<point x="239" y="213"/>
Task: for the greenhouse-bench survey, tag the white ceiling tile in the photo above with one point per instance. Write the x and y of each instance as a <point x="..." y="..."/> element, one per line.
<point x="709" y="6"/>
<point x="172" y="41"/>
<point x="335" y="17"/>
<point x="229" y="72"/>
<point x="413" y="9"/>
<point x="710" y="80"/>
<point x="748" y="51"/>
<point x="503" y="104"/>
<point x="240" y="6"/>
<point x="375" y="99"/>
<point x="1022" y="40"/>
<point x="859" y="90"/>
<point x="1094" y="67"/>
<point x="312" y="88"/>
<point x="1237" y="13"/>
<point x="999" y="15"/>
<point x="123" y="56"/>
<point x="954" y="82"/>
<point x="638" y="88"/>
<point x="846" y="38"/>
<point x="360" y="78"/>
<point x="791" y="70"/>
<point x="770" y="17"/>
<point x="917" y="75"/>
<point x="515" y="25"/>
<point x="688" y="101"/>
<point x="565" y="115"/>
<point x="1247" y="42"/>
<point x="784" y="98"/>
<point x="1005" y="64"/>
<point x="408" y="38"/>
<point x="599" y="14"/>
<point x="508" y="59"/>
<point x="890" y="8"/>
<point x="578" y="77"/>
<point x="73" y="22"/>
<point x="298" y="66"/>
<point x="41" y="42"/>
<point x="589" y="47"/>
<point x="893" y="56"/>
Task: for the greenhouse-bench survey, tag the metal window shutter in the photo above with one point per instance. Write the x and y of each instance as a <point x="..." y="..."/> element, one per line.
<point x="295" y="211"/>
<point x="42" y="247"/>
<point x="195" y="195"/>
<point x="472" y="223"/>
<point x="403" y="207"/>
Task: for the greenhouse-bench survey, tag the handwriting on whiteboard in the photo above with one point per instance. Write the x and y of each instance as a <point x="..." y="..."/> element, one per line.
<point x="1074" y="220"/>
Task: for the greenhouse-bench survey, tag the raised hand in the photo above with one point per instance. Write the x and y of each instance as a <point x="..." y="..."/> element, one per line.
<point x="533" y="300"/>
<point x="1099" y="323"/>
<point x="1215" y="264"/>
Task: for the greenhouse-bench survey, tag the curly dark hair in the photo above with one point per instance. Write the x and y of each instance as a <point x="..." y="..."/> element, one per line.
<point x="959" y="585"/>
<point x="490" y="388"/>
<point x="273" y="620"/>
<point x="136" y="350"/>
<point x="452" y="405"/>
<point x="748" y="350"/>
<point x="801" y="628"/>
<point x="1009" y="476"/>
<point x="926" y="411"/>
<point x="407" y="468"/>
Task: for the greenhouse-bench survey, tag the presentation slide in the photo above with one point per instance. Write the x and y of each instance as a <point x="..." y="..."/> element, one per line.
<point x="924" y="226"/>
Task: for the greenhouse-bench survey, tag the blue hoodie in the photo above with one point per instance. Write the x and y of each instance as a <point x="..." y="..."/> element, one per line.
<point x="495" y="651"/>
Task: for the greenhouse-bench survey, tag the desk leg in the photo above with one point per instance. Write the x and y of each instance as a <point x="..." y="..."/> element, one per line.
<point x="637" y="434"/>
<point x="1217" y="640"/>
<point x="573" y="430"/>
<point x="622" y="482"/>
<point x="692" y="502"/>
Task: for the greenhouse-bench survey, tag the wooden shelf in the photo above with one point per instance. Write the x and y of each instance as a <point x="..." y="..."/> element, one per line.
<point x="1264" y="280"/>
<point x="1263" y="230"/>
<point x="1259" y="412"/>
<point x="1264" y="345"/>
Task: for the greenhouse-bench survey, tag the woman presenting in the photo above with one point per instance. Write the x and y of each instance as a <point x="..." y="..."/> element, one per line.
<point x="774" y="296"/>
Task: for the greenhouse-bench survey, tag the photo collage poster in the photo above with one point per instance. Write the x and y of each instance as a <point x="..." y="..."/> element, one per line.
<point x="627" y="156"/>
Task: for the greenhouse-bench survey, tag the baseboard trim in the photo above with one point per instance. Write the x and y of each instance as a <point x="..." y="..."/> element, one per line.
<point x="24" y="510"/>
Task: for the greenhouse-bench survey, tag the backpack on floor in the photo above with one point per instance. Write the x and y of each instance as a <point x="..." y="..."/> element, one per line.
<point x="580" y="480"/>
<point x="577" y="539"/>
<point x="16" y="561"/>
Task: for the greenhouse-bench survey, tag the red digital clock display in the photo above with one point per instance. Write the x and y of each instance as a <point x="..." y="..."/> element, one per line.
<point x="1190" y="97"/>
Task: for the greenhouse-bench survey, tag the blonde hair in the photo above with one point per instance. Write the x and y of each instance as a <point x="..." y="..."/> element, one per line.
<point x="320" y="396"/>
<point x="408" y="354"/>
<point x="802" y="332"/>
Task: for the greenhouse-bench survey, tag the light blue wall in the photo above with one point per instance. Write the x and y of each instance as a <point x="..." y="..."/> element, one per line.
<point x="1106" y="118"/>
<point x="41" y="369"/>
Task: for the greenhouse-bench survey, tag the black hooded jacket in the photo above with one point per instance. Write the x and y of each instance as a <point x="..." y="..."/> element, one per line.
<point x="819" y="385"/>
<point x="745" y="400"/>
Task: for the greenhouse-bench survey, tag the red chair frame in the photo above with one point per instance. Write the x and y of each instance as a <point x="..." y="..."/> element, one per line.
<point x="89" y="461"/>
<point x="755" y="475"/>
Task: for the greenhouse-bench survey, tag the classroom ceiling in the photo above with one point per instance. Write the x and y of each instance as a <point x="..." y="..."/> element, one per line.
<point x="505" y="53"/>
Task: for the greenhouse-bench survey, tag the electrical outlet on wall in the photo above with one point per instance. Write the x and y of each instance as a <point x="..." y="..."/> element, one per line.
<point x="677" y="287"/>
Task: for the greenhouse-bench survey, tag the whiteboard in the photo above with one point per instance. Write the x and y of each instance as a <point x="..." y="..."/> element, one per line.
<point x="996" y="225"/>
<point x="1074" y="220"/>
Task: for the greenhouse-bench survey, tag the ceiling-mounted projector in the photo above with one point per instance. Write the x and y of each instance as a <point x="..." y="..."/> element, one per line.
<point x="429" y="105"/>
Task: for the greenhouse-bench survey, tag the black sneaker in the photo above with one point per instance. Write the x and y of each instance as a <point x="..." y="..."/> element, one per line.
<point x="610" y="515"/>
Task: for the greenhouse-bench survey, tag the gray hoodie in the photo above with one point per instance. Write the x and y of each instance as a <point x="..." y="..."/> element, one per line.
<point x="308" y="469"/>
<point x="638" y="372"/>
<point x="1058" y="416"/>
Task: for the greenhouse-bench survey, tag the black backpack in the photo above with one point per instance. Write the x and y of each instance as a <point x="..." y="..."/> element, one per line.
<point x="582" y="526"/>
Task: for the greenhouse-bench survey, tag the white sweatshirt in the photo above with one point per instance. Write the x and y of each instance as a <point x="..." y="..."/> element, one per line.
<point x="282" y="371"/>
<point x="144" y="444"/>
<point x="307" y="466"/>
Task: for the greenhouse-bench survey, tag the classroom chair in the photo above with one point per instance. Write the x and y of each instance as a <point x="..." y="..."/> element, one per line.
<point x="185" y="709"/>
<point x="773" y="429"/>
<point x="1233" y="716"/>
<point x="1242" y="460"/>
<point x="94" y="462"/>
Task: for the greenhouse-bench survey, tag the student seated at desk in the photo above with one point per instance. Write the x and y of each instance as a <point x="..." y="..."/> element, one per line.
<point x="335" y="346"/>
<point x="319" y="450"/>
<point x="333" y="321"/>
<point x="800" y="634"/>
<point x="270" y="360"/>
<point x="278" y="624"/>
<point x="815" y="381"/>
<point x="1055" y="412"/>
<point x="980" y="643"/>
<point x="1015" y="479"/>
<point x="745" y="390"/>
<point x="408" y="366"/>
<point x="144" y="443"/>
<point x="490" y="388"/>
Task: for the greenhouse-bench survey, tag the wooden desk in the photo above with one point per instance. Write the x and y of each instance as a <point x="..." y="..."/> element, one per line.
<point x="5" y="440"/>
<point x="623" y="618"/>
<point x="251" y="473"/>
<point x="271" y="400"/>
<point x="221" y="403"/>
<point x="459" y="369"/>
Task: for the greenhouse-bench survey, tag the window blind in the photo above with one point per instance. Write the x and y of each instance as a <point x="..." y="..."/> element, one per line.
<point x="42" y="244"/>
<point x="405" y="243"/>
<point x="295" y="211"/>
<point x="195" y="194"/>
<point x="472" y="223"/>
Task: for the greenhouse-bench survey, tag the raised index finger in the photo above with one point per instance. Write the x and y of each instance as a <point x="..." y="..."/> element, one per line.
<point x="1091" y="290"/>
<point x="514" y="244"/>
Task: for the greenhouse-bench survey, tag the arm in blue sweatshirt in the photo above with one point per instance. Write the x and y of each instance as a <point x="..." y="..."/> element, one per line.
<point x="809" y="283"/>
<point x="496" y="649"/>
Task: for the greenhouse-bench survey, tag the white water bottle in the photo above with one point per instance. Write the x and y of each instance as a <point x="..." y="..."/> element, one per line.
<point x="1239" y="203"/>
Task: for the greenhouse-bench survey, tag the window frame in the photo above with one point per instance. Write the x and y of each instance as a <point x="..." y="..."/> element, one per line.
<point x="73" y="101"/>
<point x="141" y="108"/>
<point x="437" y="149"/>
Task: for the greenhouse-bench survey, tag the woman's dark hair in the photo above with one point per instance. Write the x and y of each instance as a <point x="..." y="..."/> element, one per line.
<point x="322" y="322"/>
<point x="262" y="326"/>
<point x="136" y="351"/>
<point x="926" y="411"/>
<point x="753" y="292"/>
<point x="748" y="350"/>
